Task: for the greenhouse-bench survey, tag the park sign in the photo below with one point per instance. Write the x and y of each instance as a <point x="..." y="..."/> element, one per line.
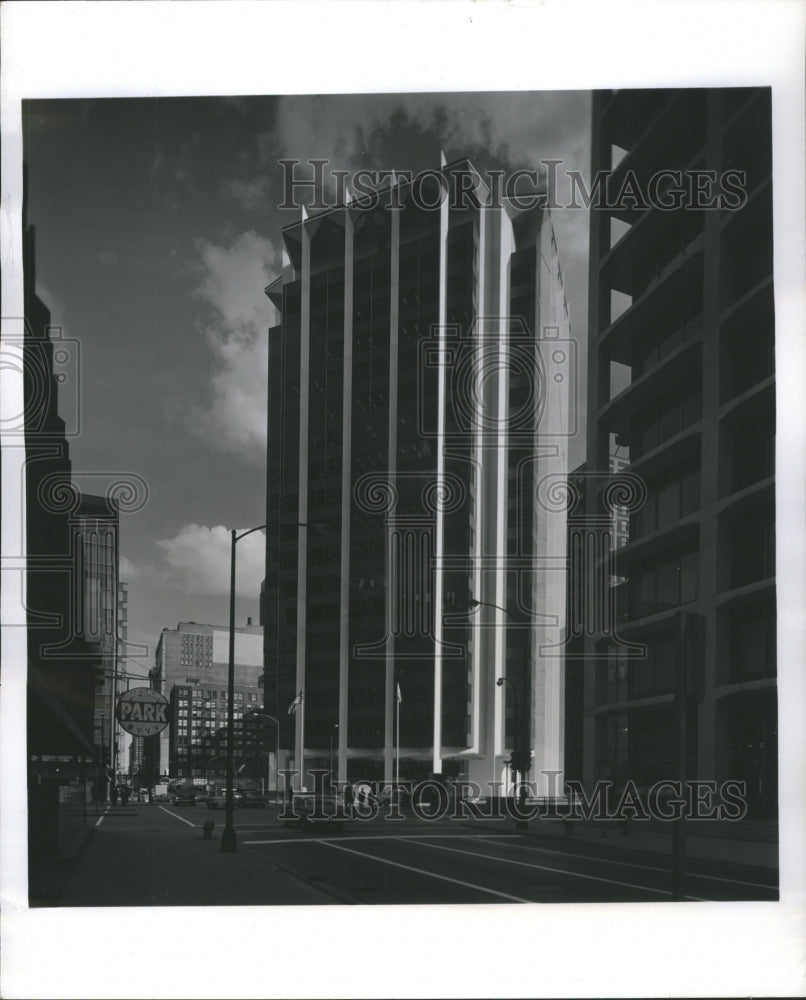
<point x="143" y="712"/>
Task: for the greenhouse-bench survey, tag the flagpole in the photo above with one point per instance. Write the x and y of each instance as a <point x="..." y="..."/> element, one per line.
<point x="301" y="739"/>
<point x="398" y="699"/>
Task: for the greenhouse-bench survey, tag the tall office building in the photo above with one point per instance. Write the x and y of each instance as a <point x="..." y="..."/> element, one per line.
<point x="681" y="308"/>
<point x="191" y="671"/>
<point x="63" y="669"/>
<point x="419" y="387"/>
<point x="96" y="522"/>
<point x="135" y="764"/>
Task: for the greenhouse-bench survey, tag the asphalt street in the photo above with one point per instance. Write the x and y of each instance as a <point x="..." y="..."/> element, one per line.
<point x="157" y="855"/>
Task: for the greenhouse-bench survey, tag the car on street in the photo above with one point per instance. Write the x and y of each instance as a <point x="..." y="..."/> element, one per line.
<point x="186" y="795"/>
<point x="242" y="799"/>
<point x="246" y="798"/>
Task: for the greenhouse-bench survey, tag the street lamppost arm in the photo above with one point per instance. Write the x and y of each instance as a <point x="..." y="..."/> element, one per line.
<point x="486" y="604"/>
<point x="228" y="839"/>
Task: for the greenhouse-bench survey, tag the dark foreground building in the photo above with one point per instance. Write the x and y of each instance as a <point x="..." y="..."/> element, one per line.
<point x="681" y="309"/>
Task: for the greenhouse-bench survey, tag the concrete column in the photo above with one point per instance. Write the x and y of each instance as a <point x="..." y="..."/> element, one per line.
<point x="440" y="517"/>
<point x="346" y="495"/>
<point x="389" y="679"/>
<point x="302" y="509"/>
<point x="709" y="731"/>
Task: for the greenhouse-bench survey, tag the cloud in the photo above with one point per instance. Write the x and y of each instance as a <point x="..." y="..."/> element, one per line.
<point x="515" y="129"/>
<point x="238" y="315"/>
<point x="198" y="561"/>
<point x="251" y="194"/>
<point x="128" y="570"/>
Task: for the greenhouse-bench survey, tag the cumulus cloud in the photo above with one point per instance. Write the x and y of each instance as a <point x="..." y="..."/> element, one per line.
<point x="518" y="129"/>
<point x="198" y="561"/>
<point x="238" y="314"/>
<point x="129" y="571"/>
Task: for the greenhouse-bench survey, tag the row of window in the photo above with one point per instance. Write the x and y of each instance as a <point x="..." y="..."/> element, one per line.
<point x="653" y="427"/>
<point x="667" y="501"/>
<point x="666" y="585"/>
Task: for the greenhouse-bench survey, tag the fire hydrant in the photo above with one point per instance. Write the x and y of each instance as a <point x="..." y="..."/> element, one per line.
<point x="207" y="829"/>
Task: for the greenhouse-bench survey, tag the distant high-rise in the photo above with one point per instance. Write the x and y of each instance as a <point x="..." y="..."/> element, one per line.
<point x="681" y="308"/>
<point x="419" y="387"/>
<point x="191" y="670"/>
<point x="96" y="530"/>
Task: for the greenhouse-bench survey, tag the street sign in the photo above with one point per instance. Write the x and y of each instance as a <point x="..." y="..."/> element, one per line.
<point x="143" y="712"/>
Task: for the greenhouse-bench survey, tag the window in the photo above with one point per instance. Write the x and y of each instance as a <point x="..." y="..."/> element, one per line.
<point x="668" y="504"/>
<point x="664" y="421"/>
<point x="669" y="422"/>
<point x="666" y="595"/>
<point x="665" y="585"/>
<point x="689" y="578"/>
<point x="752" y="645"/>
<point x="690" y="492"/>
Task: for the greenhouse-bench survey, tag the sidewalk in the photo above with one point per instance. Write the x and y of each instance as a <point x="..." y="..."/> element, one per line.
<point x="754" y="845"/>
<point x="141" y="855"/>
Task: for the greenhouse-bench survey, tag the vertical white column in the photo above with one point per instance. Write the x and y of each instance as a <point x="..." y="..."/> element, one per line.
<point x="505" y="247"/>
<point x="389" y="696"/>
<point x="440" y="519"/>
<point x="302" y="510"/>
<point x="477" y="554"/>
<point x="346" y="495"/>
<point x="550" y="526"/>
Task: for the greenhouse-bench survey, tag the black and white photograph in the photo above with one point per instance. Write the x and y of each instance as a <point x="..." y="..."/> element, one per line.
<point x="402" y="500"/>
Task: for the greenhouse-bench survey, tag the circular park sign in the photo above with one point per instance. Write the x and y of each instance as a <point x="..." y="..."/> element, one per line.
<point x="143" y="712"/>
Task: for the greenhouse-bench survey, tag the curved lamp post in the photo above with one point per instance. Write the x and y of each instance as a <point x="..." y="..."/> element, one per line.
<point x="229" y="841"/>
<point x="486" y="604"/>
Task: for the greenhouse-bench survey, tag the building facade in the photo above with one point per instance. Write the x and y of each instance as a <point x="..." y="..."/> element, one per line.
<point x="191" y="671"/>
<point x="419" y="387"/>
<point x="96" y="534"/>
<point x="681" y="308"/>
<point x="135" y="762"/>
<point x="63" y="668"/>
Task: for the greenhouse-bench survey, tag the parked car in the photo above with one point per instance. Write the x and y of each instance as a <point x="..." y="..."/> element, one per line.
<point x="248" y="799"/>
<point x="242" y="799"/>
<point x="186" y="796"/>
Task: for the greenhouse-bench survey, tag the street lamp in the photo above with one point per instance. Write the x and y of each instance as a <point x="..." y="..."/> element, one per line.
<point x="264" y="715"/>
<point x="228" y="839"/>
<point x="518" y="761"/>
<point x="486" y="604"/>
